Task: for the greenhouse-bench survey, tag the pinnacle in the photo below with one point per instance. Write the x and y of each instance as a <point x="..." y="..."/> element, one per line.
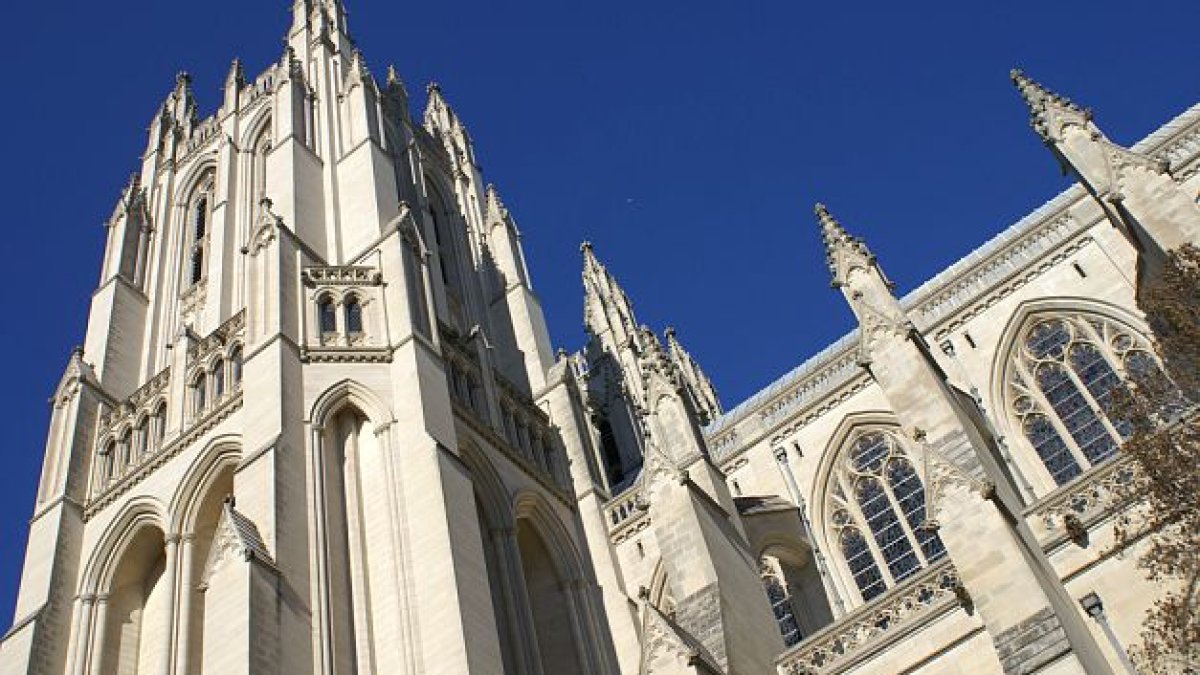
<point x="838" y="242"/>
<point x="1042" y="100"/>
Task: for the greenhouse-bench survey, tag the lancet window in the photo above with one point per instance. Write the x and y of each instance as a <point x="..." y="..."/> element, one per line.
<point x="198" y="224"/>
<point x="1064" y="372"/>
<point x="878" y="517"/>
<point x="354" y="316"/>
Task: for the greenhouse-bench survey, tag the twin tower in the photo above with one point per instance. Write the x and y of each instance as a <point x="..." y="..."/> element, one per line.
<point x="317" y="425"/>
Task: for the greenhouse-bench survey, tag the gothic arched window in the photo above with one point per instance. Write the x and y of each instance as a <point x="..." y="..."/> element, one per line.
<point x="125" y="450"/>
<point x="106" y="461"/>
<point x="218" y="379"/>
<point x="140" y="438"/>
<point x="1064" y="372"/>
<point x="160" y="425"/>
<point x="354" y="316"/>
<point x="327" y="316"/>
<point x="235" y="367"/>
<point x="199" y="394"/>
<point x="198" y="224"/>
<point x="877" y="502"/>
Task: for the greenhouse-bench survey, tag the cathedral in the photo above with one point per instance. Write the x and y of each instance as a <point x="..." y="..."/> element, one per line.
<point x="318" y="427"/>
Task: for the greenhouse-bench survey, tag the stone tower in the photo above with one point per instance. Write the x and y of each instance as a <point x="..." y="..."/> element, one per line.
<point x="302" y="436"/>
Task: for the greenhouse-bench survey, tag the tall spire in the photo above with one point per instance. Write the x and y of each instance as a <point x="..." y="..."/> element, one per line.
<point x="703" y="393"/>
<point x="1049" y="112"/>
<point x="843" y="252"/>
<point x="606" y="307"/>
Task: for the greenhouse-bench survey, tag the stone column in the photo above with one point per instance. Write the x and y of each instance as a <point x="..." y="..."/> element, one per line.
<point x="171" y="570"/>
<point x="570" y="591"/>
<point x="183" y="627"/>
<point x="832" y="593"/>
<point x="324" y="629"/>
<point x="83" y="633"/>
<point x="99" y="635"/>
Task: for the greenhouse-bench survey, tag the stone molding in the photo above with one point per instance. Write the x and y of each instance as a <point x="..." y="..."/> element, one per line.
<point x="210" y="420"/>
<point x="874" y="627"/>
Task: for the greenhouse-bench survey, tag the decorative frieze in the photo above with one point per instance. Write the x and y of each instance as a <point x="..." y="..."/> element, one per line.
<point x="342" y="276"/>
<point x="871" y="628"/>
<point x="1093" y="495"/>
<point x="150" y="463"/>
<point x="219" y="340"/>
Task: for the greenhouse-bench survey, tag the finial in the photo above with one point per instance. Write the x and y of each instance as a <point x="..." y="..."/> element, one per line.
<point x="433" y="88"/>
<point x="1045" y="104"/>
<point x="585" y="247"/>
<point x="393" y="77"/>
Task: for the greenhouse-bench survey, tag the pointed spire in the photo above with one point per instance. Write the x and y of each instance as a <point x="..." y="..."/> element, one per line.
<point x="704" y="394"/>
<point x="606" y="307"/>
<point x="843" y="252"/>
<point x="1049" y="112"/>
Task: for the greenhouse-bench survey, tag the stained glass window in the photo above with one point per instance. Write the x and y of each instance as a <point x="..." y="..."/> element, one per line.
<point x="878" y="512"/>
<point x="1066" y="370"/>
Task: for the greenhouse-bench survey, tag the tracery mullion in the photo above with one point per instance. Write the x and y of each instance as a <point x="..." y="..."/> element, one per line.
<point x="1097" y="409"/>
<point x="1034" y="389"/>
<point x="898" y="508"/>
<point x="864" y="529"/>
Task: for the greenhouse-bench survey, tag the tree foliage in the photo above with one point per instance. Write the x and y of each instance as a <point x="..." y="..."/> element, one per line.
<point x="1164" y="444"/>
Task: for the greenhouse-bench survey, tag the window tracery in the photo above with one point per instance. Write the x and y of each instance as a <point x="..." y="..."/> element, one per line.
<point x="1065" y="370"/>
<point x="877" y="507"/>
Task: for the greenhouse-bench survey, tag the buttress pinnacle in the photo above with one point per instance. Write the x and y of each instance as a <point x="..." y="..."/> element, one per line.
<point x="1045" y="105"/>
<point x="843" y="252"/>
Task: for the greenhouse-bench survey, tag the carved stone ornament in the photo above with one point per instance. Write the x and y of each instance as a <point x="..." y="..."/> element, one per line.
<point x="236" y="538"/>
<point x="940" y="472"/>
<point x="663" y="641"/>
<point x="266" y="230"/>
<point x="875" y="324"/>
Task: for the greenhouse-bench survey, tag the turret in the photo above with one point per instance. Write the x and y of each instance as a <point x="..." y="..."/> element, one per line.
<point x="1136" y="191"/>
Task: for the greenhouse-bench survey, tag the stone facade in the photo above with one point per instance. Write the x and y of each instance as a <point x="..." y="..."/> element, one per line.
<point x="318" y="426"/>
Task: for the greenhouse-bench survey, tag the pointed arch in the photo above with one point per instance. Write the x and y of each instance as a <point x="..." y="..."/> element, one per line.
<point x="218" y="455"/>
<point x="533" y="507"/>
<point x="489" y="487"/>
<point x="350" y="392"/>
<point x="870" y="505"/>
<point x="137" y="514"/>
<point x="830" y="456"/>
<point x="1053" y="373"/>
<point x="1029" y="311"/>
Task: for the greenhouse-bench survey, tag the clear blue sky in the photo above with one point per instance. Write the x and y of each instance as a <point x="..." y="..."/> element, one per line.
<point x="687" y="140"/>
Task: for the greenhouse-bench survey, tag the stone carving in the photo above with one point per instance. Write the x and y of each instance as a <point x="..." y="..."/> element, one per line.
<point x="872" y="627"/>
